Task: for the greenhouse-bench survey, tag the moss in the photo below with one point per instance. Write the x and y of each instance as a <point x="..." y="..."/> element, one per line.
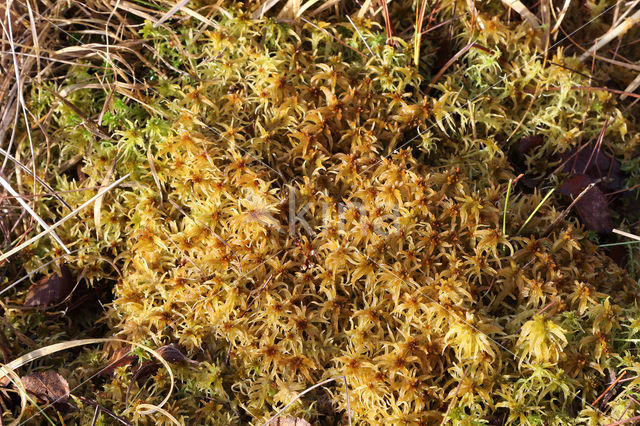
<point x="297" y="212"/>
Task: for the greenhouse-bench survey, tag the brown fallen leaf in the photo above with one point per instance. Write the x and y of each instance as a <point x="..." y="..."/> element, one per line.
<point x="120" y="358"/>
<point x="50" y="290"/>
<point x="172" y="354"/>
<point x="47" y="386"/>
<point x="596" y="164"/>
<point x="592" y="207"/>
<point x="289" y="421"/>
<point x="528" y="144"/>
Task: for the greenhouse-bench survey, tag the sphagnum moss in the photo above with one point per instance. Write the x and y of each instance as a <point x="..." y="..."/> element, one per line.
<point x="267" y="231"/>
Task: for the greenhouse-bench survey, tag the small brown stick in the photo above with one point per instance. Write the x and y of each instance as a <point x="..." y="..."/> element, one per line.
<point x="105" y="410"/>
<point x="533" y="99"/>
<point x="575" y="71"/>
<point x="568" y="209"/>
<point x="453" y="59"/>
<point x="625" y="421"/>
<point x="455" y="395"/>
<point x="546" y="307"/>
<point x="615" y="382"/>
<point x="418" y="31"/>
<point x="387" y="22"/>
<point x="266" y="283"/>
<point x="625" y="410"/>
<point x="430" y="18"/>
<point x="86" y="121"/>
<point x="453" y="18"/>
<point x="596" y="148"/>
<point x="606" y="89"/>
<point x="37" y="178"/>
<point x="622" y="190"/>
<point x="335" y="38"/>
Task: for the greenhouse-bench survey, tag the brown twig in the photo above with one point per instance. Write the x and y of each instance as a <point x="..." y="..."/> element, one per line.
<point x="455" y="395"/>
<point x="453" y="59"/>
<point x="388" y="27"/>
<point x="104" y="410"/>
<point x="568" y="209"/>
<point x="615" y="382"/>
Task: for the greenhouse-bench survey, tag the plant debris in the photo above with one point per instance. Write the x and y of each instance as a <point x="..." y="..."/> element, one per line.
<point x="51" y="290"/>
<point x="47" y="386"/>
<point x="592" y="208"/>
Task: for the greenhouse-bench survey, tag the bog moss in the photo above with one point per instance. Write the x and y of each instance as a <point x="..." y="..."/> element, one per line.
<point x="300" y="209"/>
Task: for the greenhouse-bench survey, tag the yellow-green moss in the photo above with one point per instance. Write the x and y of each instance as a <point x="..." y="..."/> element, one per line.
<point x="313" y="214"/>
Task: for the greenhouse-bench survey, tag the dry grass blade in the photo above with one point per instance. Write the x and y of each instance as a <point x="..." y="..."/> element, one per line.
<point x="19" y="85"/>
<point x="522" y="10"/>
<point x="324" y="382"/>
<point x="171" y="12"/>
<point x="305" y="6"/>
<point x="29" y="210"/>
<point x="86" y="121"/>
<point x="98" y="205"/>
<point x="134" y="9"/>
<point x="24" y="397"/>
<point x="387" y="22"/>
<point x="612" y="34"/>
<point x="632" y="86"/>
<point x="326" y="5"/>
<point x="40" y="181"/>
<point x="545" y="11"/>
<point x="199" y="17"/>
<point x="154" y="408"/>
<point x="561" y="15"/>
<point x="263" y="8"/>
<point x="418" y="31"/>
<point x="366" y="6"/>
<point x="618" y="19"/>
<point x="8" y="369"/>
<point x="626" y="234"/>
<point x="361" y="36"/>
<point x="30" y="241"/>
<point x="289" y="10"/>
<point x="32" y="273"/>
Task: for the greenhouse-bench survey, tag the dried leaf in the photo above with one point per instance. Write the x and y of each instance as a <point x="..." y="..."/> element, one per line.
<point x="592" y="207"/>
<point x="171" y="353"/>
<point x="289" y="421"/>
<point x="528" y="144"/>
<point x="47" y="385"/>
<point x="595" y="164"/>
<point x="50" y="290"/>
<point x="120" y="358"/>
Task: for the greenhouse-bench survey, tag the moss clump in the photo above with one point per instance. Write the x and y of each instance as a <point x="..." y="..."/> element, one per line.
<point x="298" y="212"/>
